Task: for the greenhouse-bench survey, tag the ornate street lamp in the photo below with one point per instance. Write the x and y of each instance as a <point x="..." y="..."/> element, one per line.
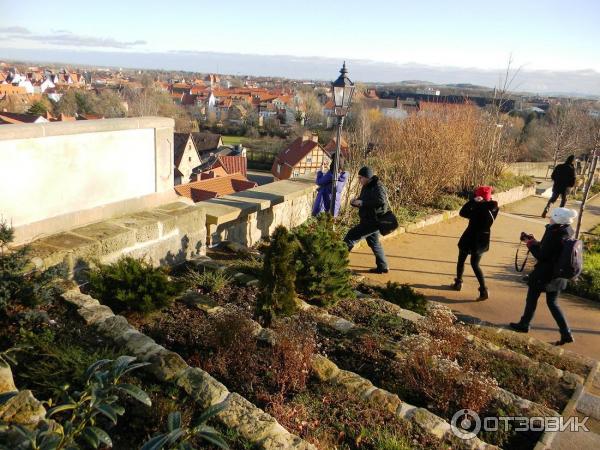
<point x="343" y="89"/>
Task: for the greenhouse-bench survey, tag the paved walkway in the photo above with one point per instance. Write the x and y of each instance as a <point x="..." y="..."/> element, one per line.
<point x="426" y="260"/>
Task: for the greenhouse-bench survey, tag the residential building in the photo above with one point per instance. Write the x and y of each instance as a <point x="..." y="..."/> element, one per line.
<point x="304" y="155"/>
<point x="185" y="158"/>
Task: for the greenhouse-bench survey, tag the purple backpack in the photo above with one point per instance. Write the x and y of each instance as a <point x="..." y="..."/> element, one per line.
<point x="570" y="262"/>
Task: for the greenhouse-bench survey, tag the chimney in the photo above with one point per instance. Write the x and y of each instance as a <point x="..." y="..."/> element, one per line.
<point x="315" y="138"/>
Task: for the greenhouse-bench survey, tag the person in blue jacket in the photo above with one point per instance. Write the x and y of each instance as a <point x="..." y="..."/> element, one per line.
<point x="323" y="199"/>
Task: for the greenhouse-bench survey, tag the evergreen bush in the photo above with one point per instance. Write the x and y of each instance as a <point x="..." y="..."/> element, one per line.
<point x="322" y="262"/>
<point x="16" y="283"/>
<point x="277" y="282"/>
<point x="131" y="285"/>
<point x="404" y="296"/>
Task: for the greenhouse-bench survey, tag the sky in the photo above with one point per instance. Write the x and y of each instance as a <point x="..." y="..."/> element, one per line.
<point x="550" y="35"/>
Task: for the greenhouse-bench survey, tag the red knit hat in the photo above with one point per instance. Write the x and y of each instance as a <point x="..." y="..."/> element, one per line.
<point x="485" y="192"/>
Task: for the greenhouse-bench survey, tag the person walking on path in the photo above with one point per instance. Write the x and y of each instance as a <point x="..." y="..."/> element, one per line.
<point x="371" y="203"/>
<point x="323" y="198"/>
<point x="563" y="177"/>
<point x="542" y="278"/>
<point x="475" y="241"/>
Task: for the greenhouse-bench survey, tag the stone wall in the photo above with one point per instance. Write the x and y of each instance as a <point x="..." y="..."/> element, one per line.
<point x="248" y="216"/>
<point x="56" y="176"/>
<point x="171" y="233"/>
<point x="534" y="169"/>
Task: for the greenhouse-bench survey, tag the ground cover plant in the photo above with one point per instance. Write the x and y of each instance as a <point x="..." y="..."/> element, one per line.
<point x="536" y="351"/>
<point x="437" y="369"/>
<point x="277" y="377"/>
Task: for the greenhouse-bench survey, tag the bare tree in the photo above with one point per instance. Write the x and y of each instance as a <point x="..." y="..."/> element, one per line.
<point x="564" y="135"/>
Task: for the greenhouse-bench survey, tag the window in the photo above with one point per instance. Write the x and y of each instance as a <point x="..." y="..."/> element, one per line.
<point x="278" y="168"/>
<point x="309" y="159"/>
<point x="190" y="159"/>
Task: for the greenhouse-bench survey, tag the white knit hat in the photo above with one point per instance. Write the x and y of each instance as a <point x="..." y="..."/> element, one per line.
<point x="563" y="216"/>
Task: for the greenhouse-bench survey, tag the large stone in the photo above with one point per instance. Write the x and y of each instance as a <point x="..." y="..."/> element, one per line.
<point x="22" y="409"/>
<point x="7" y="383"/>
<point x="324" y="369"/>
<point x="112" y="238"/>
<point x="431" y="423"/>
<point x="385" y="400"/>
<point x="166" y="365"/>
<point x="589" y="405"/>
<point x="139" y="345"/>
<point x="95" y="314"/>
<point x="202" y="387"/>
<point x="75" y="297"/>
<point x="354" y="383"/>
<point x="250" y="422"/>
<point x="116" y="328"/>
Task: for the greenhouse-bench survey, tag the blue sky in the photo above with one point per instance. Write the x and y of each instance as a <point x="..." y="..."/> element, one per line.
<point x="554" y="42"/>
<point x="550" y="34"/>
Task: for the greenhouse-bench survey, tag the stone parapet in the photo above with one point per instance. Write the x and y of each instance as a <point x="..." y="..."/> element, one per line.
<point x="166" y="235"/>
<point x="248" y="216"/>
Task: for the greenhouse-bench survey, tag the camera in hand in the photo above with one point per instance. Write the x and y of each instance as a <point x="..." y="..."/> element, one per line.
<point x="525" y="236"/>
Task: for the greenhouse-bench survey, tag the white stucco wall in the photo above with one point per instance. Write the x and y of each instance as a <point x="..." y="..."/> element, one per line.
<point x="42" y="178"/>
<point x="60" y="174"/>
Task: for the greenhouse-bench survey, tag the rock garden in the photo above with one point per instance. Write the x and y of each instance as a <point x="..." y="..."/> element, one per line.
<point x="278" y="347"/>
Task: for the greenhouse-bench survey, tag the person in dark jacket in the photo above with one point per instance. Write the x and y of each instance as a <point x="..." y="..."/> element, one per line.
<point x="371" y="203"/>
<point x="475" y="241"/>
<point x="563" y="177"/>
<point x="542" y="278"/>
<point x="323" y="198"/>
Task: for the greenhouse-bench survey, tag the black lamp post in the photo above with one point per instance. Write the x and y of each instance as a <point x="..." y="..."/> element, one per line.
<point x="343" y="89"/>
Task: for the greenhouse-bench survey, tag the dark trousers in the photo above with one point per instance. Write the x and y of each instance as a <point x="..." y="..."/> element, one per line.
<point x="555" y="194"/>
<point x="370" y="232"/>
<point x="475" y="259"/>
<point x="533" y="294"/>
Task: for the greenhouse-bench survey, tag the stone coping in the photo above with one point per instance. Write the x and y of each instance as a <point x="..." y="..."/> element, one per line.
<point x="37" y="130"/>
<point x="231" y="207"/>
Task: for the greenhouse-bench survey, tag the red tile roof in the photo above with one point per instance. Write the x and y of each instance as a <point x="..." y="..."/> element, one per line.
<point x="233" y="164"/>
<point x="214" y="187"/>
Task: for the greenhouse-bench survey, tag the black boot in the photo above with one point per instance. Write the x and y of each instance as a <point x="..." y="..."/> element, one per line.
<point x="483" y="294"/>
<point x="565" y="339"/>
<point x="457" y="286"/>
<point x="546" y="209"/>
<point x="519" y="327"/>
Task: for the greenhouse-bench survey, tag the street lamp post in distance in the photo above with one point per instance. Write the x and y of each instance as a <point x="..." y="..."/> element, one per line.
<point x="343" y="89"/>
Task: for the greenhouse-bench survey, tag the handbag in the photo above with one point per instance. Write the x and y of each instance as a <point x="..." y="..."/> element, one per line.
<point x="387" y="222"/>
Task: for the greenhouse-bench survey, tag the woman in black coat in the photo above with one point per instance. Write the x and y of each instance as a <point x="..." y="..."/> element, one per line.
<point x="543" y="277"/>
<point x="475" y="241"/>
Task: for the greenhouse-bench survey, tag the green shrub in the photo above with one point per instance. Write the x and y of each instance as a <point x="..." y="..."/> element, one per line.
<point x="16" y="285"/>
<point x="277" y="282"/>
<point x="507" y="181"/>
<point x="131" y="285"/>
<point x="404" y="296"/>
<point x="208" y="280"/>
<point x="322" y="262"/>
<point x="448" y="202"/>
